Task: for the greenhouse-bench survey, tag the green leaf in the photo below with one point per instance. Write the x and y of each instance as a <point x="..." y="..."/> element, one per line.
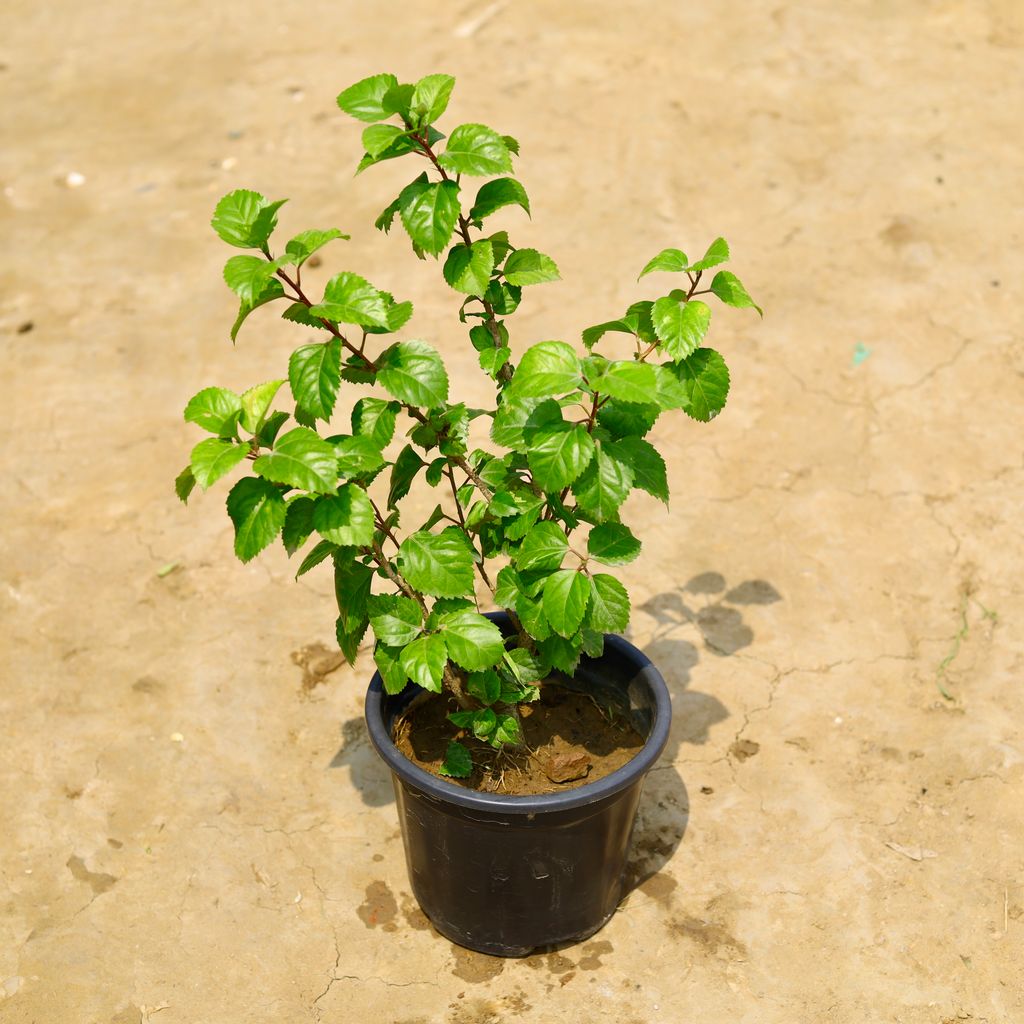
<point x="389" y="663"/>
<point x="496" y="194"/>
<point x="457" y="762"/>
<point x="718" y="252"/>
<point x="681" y="326"/>
<point x="214" y="457"/>
<point x="351" y="299"/>
<point x="557" y="454"/>
<point x="627" y="380"/>
<point x="627" y="418"/>
<point x="506" y="730"/>
<point x="543" y="548"/>
<point x="670" y="394"/>
<point x="561" y="652"/>
<point x="396" y="621"/>
<point x="612" y="544"/>
<point x="375" y="418"/>
<point x="485" y="686"/>
<point x="271" y="291"/>
<point x="345" y="518"/>
<point x="298" y="523"/>
<point x="424" y="660"/>
<point x="404" y="471"/>
<point x="298" y="313"/>
<point x="429" y="212"/>
<point x="322" y="550"/>
<point x="566" y="596"/>
<point x="184" y="482"/>
<point x="257" y="509"/>
<point x="603" y="485"/>
<point x="646" y="463"/>
<point x="430" y="98"/>
<point x="255" y="403"/>
<point x="247" y="276"/>
<point x="398" y="100"/>
<point x="593" y="643"/>
<point x="493" y="359"/>
<point x="363" y="100"/>
<point x="609" y="604"/>
<point x="245" y="219"/>
<point x="387" y="216"/>
<point x="271" y="428"/>
<point x="474" y="642"/>
<point x="352" y="582"/>
<point x="468" y="269"/>
<point x="302" y="459"/>
<point x="672" y="260"/>
<point x="531" y="614"/>
<point x="314" y="373"/>
<point x="547" y="368"/>
<point x="527" y="266"/>
<point x="627" y="325"/>
<point x="378" y="137"/>
<point x="705" y="379"/>
<point x="728" y="288"/>
<point x="484" y="722"/>
<point x="214" y="409"/>
<point x="412" y="372"/>
<point x="526" y="667"/>
<point x="305" y="243"/>
<point x="507" y="587"/>
<point x="476" y="150"/>
<point x="358" y="456"/>
<point x="510" y="420"/>
<point x="439" y="564"/>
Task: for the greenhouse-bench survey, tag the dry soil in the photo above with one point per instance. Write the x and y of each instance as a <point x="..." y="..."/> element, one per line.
<point x="193" y="827"/>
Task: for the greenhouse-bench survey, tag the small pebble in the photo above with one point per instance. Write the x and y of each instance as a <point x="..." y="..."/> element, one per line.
<point x="25" y="327"/>
<point x="228" y="163"/>
<point x="74" y="179"/>
<point x="176" y="737"/>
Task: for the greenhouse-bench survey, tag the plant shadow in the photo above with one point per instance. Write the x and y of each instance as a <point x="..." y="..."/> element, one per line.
<point x="715" y="610"/>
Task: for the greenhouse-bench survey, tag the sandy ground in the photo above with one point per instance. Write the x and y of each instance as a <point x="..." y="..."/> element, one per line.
<point x="188" y="835"/>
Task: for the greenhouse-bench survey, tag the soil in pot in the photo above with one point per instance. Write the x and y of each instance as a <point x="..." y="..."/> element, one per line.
<point x="570" y="738"/>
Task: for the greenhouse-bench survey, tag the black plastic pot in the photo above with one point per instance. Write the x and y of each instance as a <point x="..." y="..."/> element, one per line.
<point x="506" y="875"/>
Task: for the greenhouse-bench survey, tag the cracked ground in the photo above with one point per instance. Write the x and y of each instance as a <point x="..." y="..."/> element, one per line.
<point x="193" y="825"/>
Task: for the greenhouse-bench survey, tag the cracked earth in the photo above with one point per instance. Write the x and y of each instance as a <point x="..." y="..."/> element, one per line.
<point x="193" y="824"/>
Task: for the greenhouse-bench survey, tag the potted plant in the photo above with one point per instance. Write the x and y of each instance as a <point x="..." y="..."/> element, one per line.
<point x="519" y="737"/>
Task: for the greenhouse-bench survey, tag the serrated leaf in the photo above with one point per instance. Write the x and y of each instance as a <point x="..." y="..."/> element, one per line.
<point x="213" y="409"/>
<point x="718" y="252"/>
<point x="671" y="260"/>
<point x="670" y="392"/>
<point x="352" y="583"/>
<point x="247" y="276"/>
<point x="562" y="653"/>
<point x="245" y="219"/>
<point x="475" y="149"/>
<point x="378" y="137"/>
<point x="363" y="100"/>
<point x="184" y="483"/>
<point x="257" y="510"/>
<point x="457" y="764"/>
<point x="506" y="730"/>
<point x="345" y="518"/>
<point x="403" y="473"/>
<point x="398" y="100"/>
<point x="612" y="544"/>
<point x="603" y="485"/>
<point x="468" y="269"/>
<point x="429" y="212"/>
<point x="547" y="368"/>
<point x="496" y="194"/>
<point x="474" y="642"/>
<point x="430" y="98"/>
<point x="626" y="325"/>
<point x="255" y="403"/>
<point x="485" y="686"/>
<point x="507" y="587"/>
<point x="527" y="266"/>
<point x="623" y="419"/>
<point x="646" y="463"/>
<point x="351" y="299"/>
<point x="298" y="313"/>
<point x="424" y="660"/>
<point x="321" y="551"/>
<point x="542" y="549"/>
<point x="439" y="564"/>
<point x="213" y="458"/>
<point x="298" y="523"/>
<point x="271" y="291"/>
<point x="412" y="372"/>
<point x="375" y="418"/>
<point x="510" y="419"/>
<point x="302" y="459"/>
<point x="305" y="243"/>
<point x="395" y="620"/>
<point x="557" y="454"/>
<point x="527" y="668"/>
<point x="680" y="326"/>
<point x="705" y="380"/>
<point x="728" y="288"/>
<point x="389" y="664"/>
<point x="627" y="380"/>
<point x="387" y="216"/>
<point x="566" y="597"/>
<point x="609" y="604"/>
<point x="358" y="456"/>
<point x="314" y="373"/>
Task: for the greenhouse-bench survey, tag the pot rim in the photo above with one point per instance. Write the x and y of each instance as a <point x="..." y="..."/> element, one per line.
<point x="589" y="793"/>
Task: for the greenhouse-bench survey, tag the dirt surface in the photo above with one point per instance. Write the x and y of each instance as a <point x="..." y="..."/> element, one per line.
<point x="190" y="832"/>
<point x="568" y="739"/>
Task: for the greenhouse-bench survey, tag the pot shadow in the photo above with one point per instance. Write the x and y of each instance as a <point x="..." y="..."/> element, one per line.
<point x="367" y="771"/>
<point x="715" y="609"/>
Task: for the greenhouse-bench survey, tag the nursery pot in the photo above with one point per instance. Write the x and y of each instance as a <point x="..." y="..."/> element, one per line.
<point x="506" y="875"/>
